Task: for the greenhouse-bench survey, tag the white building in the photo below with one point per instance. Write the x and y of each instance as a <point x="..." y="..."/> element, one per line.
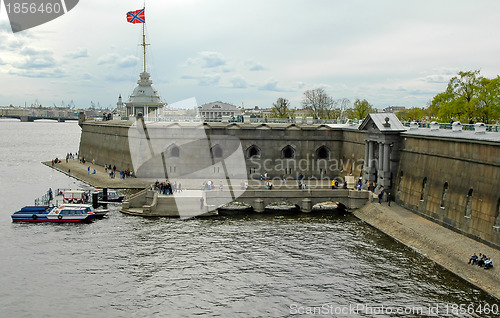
<point x="216" y="110"/>
<point x="144" y="99"/>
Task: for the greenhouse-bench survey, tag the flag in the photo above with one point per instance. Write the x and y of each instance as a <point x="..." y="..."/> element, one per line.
<point x="136" y="16"/>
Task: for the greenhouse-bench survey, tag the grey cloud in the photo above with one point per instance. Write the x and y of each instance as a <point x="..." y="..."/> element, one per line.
<point x="128" y="61"/>
<point x="208" y="59"/>
<point x="239" y="82"/>
<point x="31" y="51"/>
<point x="36" y="62"/>
<point x="272" y="85"/>
<point x="204" y="80"/>
<point x="54" y="73"/>
<point x="437" y="79"/>
<point x="254" y="66"/>
<point x="107" y="59"/>
<point x="82" y="52"/>
<point x="115" y="59"/>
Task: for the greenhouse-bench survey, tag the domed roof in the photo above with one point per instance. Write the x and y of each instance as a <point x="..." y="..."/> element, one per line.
<point x="144" y="93"/>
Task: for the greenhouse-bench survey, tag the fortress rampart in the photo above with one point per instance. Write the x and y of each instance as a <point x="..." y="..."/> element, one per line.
<point x="448" y="177"/>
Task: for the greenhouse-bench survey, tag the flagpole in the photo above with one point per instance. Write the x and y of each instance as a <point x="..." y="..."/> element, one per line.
<point x="144" y="40"/>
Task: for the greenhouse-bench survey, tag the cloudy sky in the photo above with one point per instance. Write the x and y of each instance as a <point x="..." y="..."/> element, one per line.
<point x="390" y="52"/>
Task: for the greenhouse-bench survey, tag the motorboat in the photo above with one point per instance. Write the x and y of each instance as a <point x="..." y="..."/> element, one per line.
<point x="113" y="196"/>
<point x="66" y="213"/>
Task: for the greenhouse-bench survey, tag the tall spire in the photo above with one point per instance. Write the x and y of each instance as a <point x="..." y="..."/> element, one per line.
<point x="144" y="43"/>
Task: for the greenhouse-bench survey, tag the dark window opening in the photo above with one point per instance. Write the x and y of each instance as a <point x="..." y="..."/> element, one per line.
<point x="287" y="153"/>
<point x="468" y="205"/>
<point x="424" y="184"/>
<point x="445" y="192"/>
<point x="322" y="153"/>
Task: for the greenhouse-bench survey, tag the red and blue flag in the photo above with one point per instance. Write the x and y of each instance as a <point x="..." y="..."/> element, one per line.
<point x="136" y="16"/>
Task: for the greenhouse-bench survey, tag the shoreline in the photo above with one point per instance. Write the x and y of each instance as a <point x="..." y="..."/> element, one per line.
<point x="443" y="246"/>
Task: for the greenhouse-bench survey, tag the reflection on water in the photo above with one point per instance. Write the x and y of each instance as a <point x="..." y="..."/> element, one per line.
<point x="253" y="266"/>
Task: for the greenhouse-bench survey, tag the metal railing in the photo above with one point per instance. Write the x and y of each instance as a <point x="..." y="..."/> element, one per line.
<point x="470" y="127"/>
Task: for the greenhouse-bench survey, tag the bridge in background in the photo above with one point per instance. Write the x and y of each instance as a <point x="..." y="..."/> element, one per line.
<point x="32" y="114"/>
<point x="56" y="113"/>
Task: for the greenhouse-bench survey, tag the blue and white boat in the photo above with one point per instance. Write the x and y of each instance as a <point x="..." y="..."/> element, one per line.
<point x="60" y="214"/>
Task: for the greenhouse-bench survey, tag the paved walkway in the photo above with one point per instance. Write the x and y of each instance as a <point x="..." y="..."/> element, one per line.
<point x="102" y="180"/>
<point x="446" y="247"/>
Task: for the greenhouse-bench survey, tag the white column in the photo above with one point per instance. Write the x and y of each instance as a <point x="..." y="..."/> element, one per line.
<point x="365" y="164"/>
<point x="387" y="150"/>
<point x="380" y="157"/>
<point x="370" y="154"/>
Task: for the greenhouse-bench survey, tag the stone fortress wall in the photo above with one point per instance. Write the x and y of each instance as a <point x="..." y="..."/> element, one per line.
<point x="452" y="181"/>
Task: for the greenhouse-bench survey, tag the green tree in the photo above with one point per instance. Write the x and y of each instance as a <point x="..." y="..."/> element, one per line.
<point x="468" y="96"/>
<point x="318" y="103"/>
<point x="488" y="100"/>
<point x="281" y="109"/>
<point x="459" y="100"/>
<point x="360" y="110"/>
<point x="411" y="114"/>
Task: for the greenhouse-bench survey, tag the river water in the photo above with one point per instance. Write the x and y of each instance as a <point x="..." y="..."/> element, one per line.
<point x="258" y="266"/>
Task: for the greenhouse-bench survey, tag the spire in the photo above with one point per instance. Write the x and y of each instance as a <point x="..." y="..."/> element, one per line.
<point x="144" y="43"/>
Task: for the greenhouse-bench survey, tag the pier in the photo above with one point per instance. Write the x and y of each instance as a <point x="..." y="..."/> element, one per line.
<point x="152" y="204"/>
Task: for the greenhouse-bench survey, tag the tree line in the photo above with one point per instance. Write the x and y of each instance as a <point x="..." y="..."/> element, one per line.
<point x="318" y="104"/>
<point x="469" y="97"/>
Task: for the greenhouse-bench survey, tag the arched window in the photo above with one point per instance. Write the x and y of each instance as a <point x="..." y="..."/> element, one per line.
<point x="497" y="216"/>
<point x="174" y="151"/>
<point x="468" y="204"/>
<point x="288" y="152"/>
<point x="216" y="151"/>
<point x="253" y="152"/>
<point x="424" y="184"/>
<point x="443" y="195"/>
<point x="322" y="153"/>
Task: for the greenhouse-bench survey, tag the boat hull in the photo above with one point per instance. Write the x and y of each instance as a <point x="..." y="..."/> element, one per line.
<point x="42" y="218"/>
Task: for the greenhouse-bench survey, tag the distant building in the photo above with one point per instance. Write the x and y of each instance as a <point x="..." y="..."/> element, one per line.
<point x="218" y="109"/>
<point x="393" y="109"/>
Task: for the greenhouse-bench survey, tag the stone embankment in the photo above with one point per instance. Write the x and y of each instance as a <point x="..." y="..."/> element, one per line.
<point x="444" y="246"/>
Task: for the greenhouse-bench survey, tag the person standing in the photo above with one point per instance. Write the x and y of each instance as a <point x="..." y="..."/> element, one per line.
<point x="389" y="198"/>
<point x="380" y="196"/>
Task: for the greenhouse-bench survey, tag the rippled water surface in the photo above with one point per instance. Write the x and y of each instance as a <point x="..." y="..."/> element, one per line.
<point x="255" y="266"/>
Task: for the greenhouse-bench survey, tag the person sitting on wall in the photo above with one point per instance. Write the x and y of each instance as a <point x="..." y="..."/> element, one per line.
<point x="481" y="259"/>
<point x="488" y="263"/>
<point x="333" y="184"/>
<point x="473" y="259"/>
<point x="345" y="185"/>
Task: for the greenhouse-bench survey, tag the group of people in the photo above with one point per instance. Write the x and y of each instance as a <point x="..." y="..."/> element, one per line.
<point x="56" y="161"/>
<point x="71" y="156"/>
<point x="168" y="188"/>
<point x="110" y="170"/>
<point x="335" y="184"/>
<point x="481" y="260"/>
